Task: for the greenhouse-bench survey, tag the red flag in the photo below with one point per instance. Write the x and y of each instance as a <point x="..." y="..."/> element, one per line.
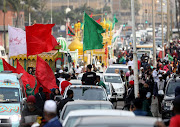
<point x="8" y="67"/>
<point x="45" y="75"/>
<point x="91" y="15"/>
<point x="26" y="78"/>
<point x="39" y="39"/>
<point x="99" y="20"/>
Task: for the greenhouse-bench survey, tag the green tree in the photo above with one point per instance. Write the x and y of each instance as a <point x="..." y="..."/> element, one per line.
<point x="29" y="7"/>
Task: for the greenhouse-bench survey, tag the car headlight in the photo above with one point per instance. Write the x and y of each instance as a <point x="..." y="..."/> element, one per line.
<point x="15" y="118"/>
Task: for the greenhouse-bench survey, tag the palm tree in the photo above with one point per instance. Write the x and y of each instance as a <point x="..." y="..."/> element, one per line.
<point x="30" y="5"/>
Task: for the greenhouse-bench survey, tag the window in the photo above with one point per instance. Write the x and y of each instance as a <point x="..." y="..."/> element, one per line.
<point x="9" y="95"/>
<point x="3" y="53"/>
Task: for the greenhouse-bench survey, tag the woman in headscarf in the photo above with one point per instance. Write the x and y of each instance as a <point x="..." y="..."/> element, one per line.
<point x="29" y="90"/>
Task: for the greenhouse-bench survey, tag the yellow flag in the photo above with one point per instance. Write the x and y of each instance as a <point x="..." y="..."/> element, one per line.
<point x="104" y="21"/>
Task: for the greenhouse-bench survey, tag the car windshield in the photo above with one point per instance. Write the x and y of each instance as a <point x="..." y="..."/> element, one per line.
<point x="9" y="95"/>
<point x="71" y="121"/>
<point x="172" y="86"/>
<point x="113" y="79"/>
<point x="112" y="70"/>
<point x="84" y="106"/>
<point x="85" y="93"/>
<point x="139" y="54"/>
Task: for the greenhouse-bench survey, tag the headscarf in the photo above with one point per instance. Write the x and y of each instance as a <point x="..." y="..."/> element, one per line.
<point x="29" y="91"/>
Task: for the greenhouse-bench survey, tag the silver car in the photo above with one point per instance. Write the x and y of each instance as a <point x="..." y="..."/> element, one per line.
<point x="80" y="104"/>
<point x="116" y="121"/>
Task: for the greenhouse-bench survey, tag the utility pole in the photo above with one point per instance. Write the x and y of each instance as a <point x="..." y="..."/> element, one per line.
<point x="4" y="22"/>
<point x="168" y="22"/>
<point x="51" y="13"/>
<point x="154" y="43"/>
<point x="136" y="84"/>
<point x="162" y="26"/>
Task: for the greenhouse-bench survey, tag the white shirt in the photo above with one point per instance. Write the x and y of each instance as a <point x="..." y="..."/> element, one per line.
<point x="111" y="61"/>
<point x="130" y="63"/>
<point x="131" y="77"/>
<point x="160" y="85"/>
<point x="78" y="70"/>
<point x="155" y="76"/>
<point x="60" y="80"/>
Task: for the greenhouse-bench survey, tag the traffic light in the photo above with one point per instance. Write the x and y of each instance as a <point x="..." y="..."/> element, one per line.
<point x="124" y="25"/>
<point x="146" y="21"/>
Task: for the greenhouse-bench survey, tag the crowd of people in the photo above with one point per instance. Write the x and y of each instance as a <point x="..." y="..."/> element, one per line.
<point x="48" y="105"/>
<point x="152" y="83"/>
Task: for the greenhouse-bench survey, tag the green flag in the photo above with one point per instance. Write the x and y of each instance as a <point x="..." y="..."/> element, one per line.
<point x="70" y="33"/>
<point x="1" y="65"/>
<point x="92" y="34"/>
<point x="170" y="58"/>
<point x="114" y="21"/>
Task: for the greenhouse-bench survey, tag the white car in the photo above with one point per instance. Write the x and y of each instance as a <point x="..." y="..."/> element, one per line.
<point x="112" y="68"/>
<point x="81" y="104"/>
<point x="74" y="115"/>
<point x="111" y="94"/>
<point x="75" y="82"/>
<point x="117" y="83"/>
<point x="87" y="92"/>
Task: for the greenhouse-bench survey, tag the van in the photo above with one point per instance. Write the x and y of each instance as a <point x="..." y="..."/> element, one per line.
<point x="11" y="99"/>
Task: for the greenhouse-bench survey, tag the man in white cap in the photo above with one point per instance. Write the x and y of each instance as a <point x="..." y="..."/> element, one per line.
<point x="78" y="70"/>
<point x="160" y="86"/>
<point x="50" y="114"/>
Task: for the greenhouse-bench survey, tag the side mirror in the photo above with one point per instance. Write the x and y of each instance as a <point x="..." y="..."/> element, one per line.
<point x="114" y="93"/>
<point x="24" y="100"/>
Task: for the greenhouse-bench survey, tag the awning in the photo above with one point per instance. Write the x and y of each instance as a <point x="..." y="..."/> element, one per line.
<point x="51" y="55"/>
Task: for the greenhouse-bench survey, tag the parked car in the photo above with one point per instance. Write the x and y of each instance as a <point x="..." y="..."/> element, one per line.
<point x="74" y="115"/>
<point x="117" y="83"/>
<point x="169" y="97"/>
<point x="112" y="68"/>
<point x="116" y="121"/>
<point x="75" y="82"/>
<point x="87" y="92"/>
<point x="79" y="105"/>
<point x="12" y="96"/>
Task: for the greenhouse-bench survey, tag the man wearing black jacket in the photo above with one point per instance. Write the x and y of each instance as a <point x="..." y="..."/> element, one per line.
<point x="70" y="95"/>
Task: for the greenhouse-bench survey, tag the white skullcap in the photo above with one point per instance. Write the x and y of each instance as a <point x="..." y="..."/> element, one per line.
<point x="50" y="106"/>
<point x="160" y="76"/>
<point x="141" y="68"/>
<point x="60" y="71"/>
